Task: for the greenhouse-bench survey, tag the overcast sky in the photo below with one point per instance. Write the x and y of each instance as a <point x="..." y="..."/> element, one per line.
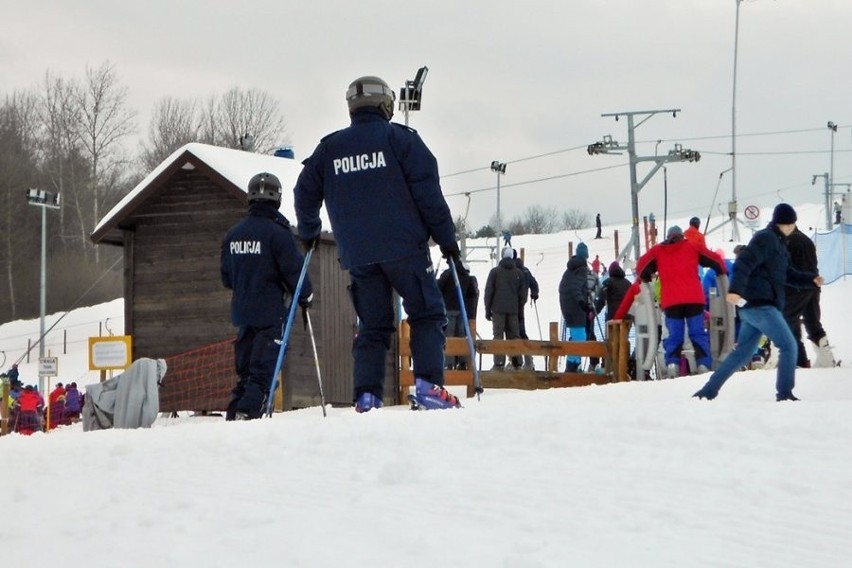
<point x="507" y="81"/>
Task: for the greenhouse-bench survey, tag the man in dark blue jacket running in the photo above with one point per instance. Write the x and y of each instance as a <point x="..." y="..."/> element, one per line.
<point x="380" y="185"/>
<point x="760" y="273"/>
<point x="261" y="264"/>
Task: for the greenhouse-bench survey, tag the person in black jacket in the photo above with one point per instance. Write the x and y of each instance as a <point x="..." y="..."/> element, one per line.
<point x="802" y="306"/>
<point x="380" y="186"/>
<point x="505" y="294"/>
<point x="261" y="264"/>
<point x="760" y="273"/>
<point x="532" y="285"/>
<point x="574" y="300"/>
<point x="455" y="325"/>
<point x="612" y="291"/>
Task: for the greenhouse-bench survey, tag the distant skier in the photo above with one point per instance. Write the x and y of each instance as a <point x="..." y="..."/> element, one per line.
<point x="761" y="271"/>
<point x="598" y="226"/>
<point x="260" y="263"/>
<point x="381" y="188"/>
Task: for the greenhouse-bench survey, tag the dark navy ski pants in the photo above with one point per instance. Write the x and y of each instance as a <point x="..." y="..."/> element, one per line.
<point x="372" y="287"/>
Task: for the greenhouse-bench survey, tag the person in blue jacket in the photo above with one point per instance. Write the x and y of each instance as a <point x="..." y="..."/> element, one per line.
<point x="261" y="264"/>
<point x="380" y="186"/>
<point x="761" y="271"/>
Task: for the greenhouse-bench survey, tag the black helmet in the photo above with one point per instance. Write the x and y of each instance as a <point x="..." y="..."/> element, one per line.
<point x="264" y="186"/>
<point x="695" y="222"/>
<point x="370" y="92"/>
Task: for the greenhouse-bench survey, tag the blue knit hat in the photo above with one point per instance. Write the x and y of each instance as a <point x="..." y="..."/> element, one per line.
<point x="583" y="251"/>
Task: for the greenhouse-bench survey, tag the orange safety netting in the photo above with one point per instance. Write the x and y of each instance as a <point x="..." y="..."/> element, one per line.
<point x="200" y="379"/>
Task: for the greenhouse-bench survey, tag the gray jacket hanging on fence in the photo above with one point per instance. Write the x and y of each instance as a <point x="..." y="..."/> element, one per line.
<point x="129" y="400"/>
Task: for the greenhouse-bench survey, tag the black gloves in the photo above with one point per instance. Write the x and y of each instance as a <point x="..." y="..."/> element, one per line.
<point x="451" y="252"/>
<point x="488" y="315"/>
<point x="305" y="302"/>
<point x="310" y="244"/>
<point x="533" y="296"/>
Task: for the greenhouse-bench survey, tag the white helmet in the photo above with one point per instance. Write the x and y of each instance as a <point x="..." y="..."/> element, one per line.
<point x="370" y="92"/>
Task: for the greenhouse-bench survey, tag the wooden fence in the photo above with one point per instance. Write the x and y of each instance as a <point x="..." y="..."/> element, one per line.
<point x="613" y="352"/>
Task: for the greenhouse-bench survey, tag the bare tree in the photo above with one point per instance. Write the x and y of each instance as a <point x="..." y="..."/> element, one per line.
<point x="106" y="122"/>
<point x="174" y="123"/>
<point x="575" y="219"/>
<point x="539" y="220"/>
<point x="59" y="143"/>
<point x="240" y="112"/>
<point x="17" y="172"/>
<point x="517" y="226"/>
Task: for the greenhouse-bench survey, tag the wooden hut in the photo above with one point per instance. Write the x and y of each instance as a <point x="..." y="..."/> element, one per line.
<point x="171" y="228"/>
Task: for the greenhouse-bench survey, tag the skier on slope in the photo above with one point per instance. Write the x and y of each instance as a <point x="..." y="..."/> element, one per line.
<point x="380" y="185"/>
<point x="261" y="264"/>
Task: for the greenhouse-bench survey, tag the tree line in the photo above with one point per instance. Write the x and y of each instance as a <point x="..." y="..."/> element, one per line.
<point x="536" y="220"/>
<point x="71" y="136"/>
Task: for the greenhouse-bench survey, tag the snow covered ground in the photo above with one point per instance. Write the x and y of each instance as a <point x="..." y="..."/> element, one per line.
<point x="632" y="474"/>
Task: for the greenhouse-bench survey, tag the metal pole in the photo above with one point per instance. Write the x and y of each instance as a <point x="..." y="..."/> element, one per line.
<point x="833" y="129"/>
<point x="499" y="219"/>
<point x="828" y="225"/>
<point x="43" y="293"/>
<point x="634" y="186"/>
<point x="734" y="108"/>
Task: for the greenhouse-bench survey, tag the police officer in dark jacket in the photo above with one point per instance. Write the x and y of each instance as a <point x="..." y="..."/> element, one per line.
<point x="760" y="273"/>
<point x="260" y="263"/>
<point x="381" y="188"/>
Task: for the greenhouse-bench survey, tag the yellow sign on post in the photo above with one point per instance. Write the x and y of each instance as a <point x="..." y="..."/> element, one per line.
<point x="113" y="352"/>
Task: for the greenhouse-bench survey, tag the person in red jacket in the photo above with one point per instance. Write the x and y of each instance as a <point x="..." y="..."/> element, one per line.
<point x="31" y="405"/>
<point x="693" y="235"/>
<point x="57" y="406"/>
<point x="681" y="295"/>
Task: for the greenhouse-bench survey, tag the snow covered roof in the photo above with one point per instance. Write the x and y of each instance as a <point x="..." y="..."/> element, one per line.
<point x="233" y="167"/>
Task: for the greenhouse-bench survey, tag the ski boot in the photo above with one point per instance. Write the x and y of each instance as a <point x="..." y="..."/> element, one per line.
<point x="824" y="356"/>
<point x="429" y="396"/>
<point x="366" y="402"/>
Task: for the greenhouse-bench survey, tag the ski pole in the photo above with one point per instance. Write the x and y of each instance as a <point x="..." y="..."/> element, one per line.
<point x="538" y="321"/>
<point x="316" y="359"/>
<point x="477" y="384"/>
<point x="285" y="336"/>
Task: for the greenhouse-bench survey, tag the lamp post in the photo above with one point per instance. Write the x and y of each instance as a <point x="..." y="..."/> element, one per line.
<point x="411" y="94"/>
<point x="732" y="206"/>
<point x="500" y="169"/>
<point x="46" y="200"/>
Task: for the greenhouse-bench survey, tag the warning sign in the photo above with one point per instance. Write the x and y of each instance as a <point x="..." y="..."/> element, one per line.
<point x="751" y="212"/>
